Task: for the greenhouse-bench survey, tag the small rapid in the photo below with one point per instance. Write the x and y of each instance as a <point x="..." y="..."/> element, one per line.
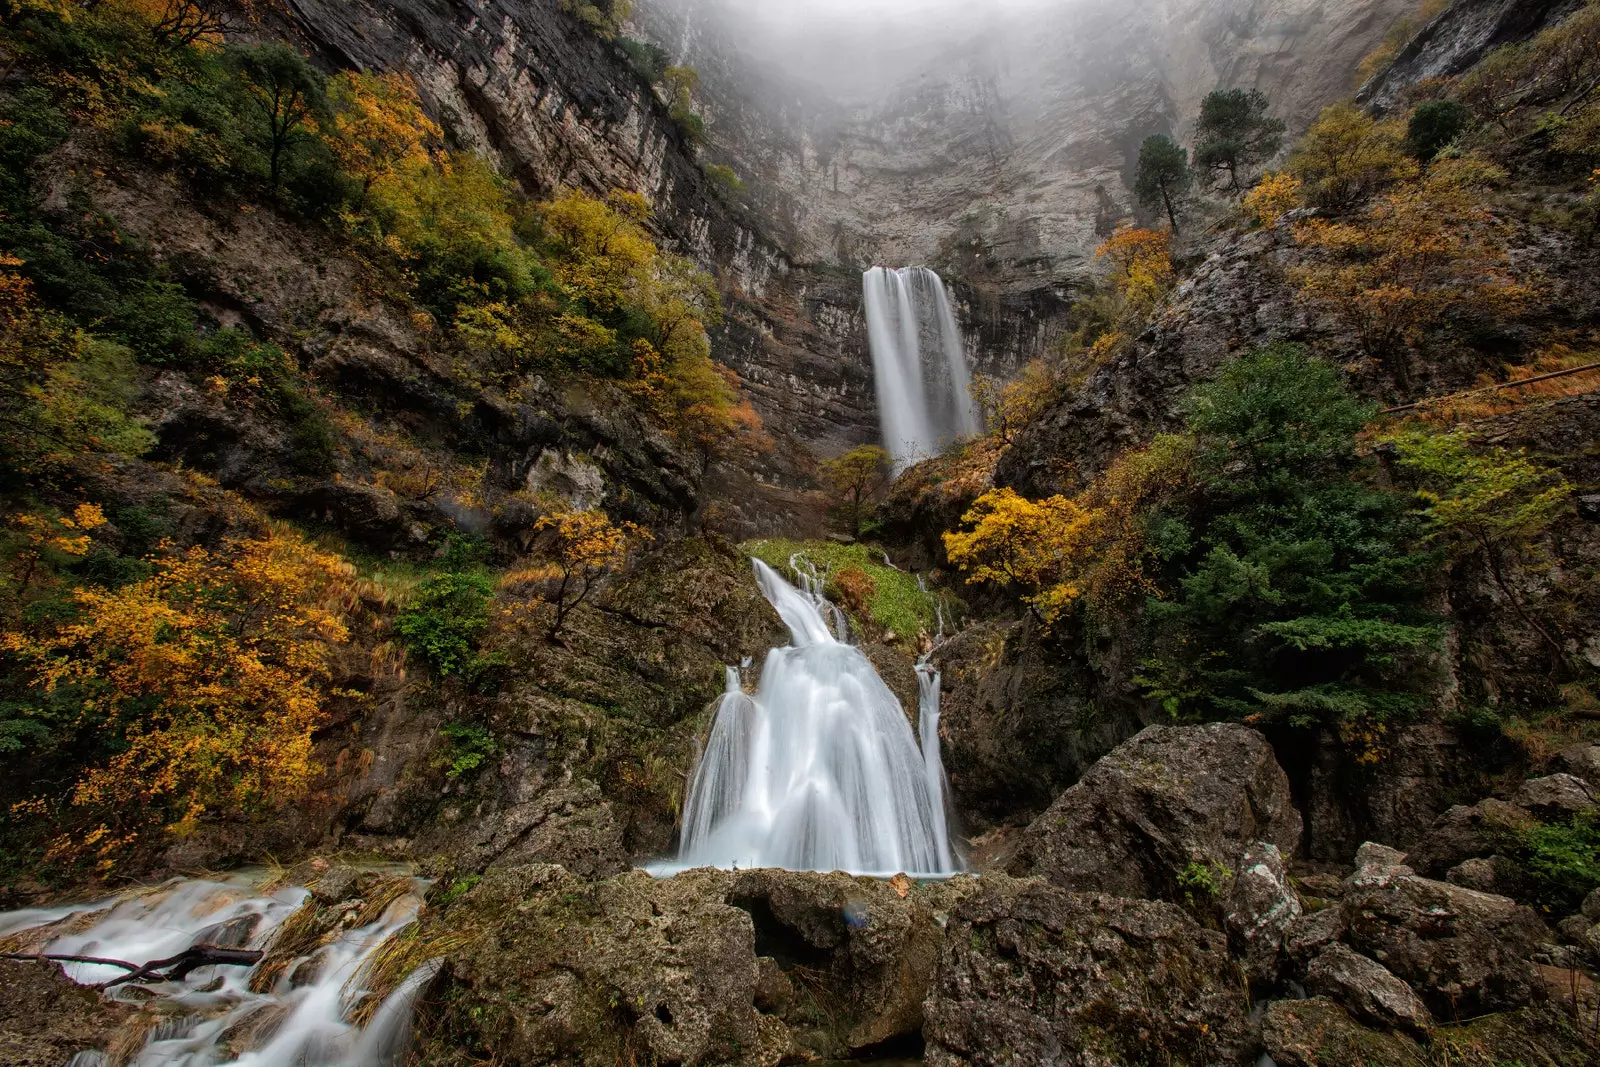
<point x="819" y="769"/>
<point x="300" y="1009"/>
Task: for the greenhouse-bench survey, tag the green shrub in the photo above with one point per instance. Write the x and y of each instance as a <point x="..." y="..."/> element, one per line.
<point x="725" y="178"/>
<point x="468" y="746"/>
<point x="1563" y="861"/>
<point x="897" y="602"/>
<point x="447" y="620"/>
<point x="1434" y="125"/>
<point x="158" y="321"/>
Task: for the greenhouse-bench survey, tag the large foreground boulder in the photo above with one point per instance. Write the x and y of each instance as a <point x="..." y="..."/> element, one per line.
<point x="1465" y="953"/>
<point x="744" y="967"/>
<point x="1032" y="975"/>
<point x="46" y="1019"/>
<point x="1319" y="1033"/>
<point x="1168" y="801"/>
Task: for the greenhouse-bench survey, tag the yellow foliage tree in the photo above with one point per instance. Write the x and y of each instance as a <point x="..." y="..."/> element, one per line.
<point x="1406" y="263"/>
<point x="1060" y="550"/>
<point x="379" y="127"/>
<point x="1007" y="406"/>
<point x="207" y="681"/>
<point x="1023" y="544"/>
<point x="1141" y="264"/>
<point x="1348" y="156"/>
<point x="580" y="548"/>
<point x="1275" y="195"/>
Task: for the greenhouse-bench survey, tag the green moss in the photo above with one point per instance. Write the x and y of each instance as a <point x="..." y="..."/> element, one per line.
<point x="897" y="602"/>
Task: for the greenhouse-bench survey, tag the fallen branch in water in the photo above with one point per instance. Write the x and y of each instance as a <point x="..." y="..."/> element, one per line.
<point x="178" y="967"/>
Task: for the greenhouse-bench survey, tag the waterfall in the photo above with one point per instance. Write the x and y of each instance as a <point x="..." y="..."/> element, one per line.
<point x="217" y="1017"/>
<point x="819" y="770"/>
<point x="923" y="403"/>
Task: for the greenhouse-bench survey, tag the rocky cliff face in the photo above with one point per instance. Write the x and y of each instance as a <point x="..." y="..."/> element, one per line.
<point x="1003" y="160"/>
<point x="999" y="162"/>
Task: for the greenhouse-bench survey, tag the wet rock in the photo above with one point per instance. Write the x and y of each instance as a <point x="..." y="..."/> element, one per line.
<point x="1319" y="1033"/>
<point x="568" y="824"/>
<point x="1367" y="989"/>
<point x="710" y="966"/>
<point x="1032" y="974"/>
<point x="1260" y="907"/>
<point x="1171" y="797"/>
<point x="46" y="1019"/>
<point x="1305" y="937"/>
<point x="1557" y="796"/>
<point x="1462" y="833"/>
<point x="1581" y="761"/>
<point x="1464" y="952"/>
<point x="1477" y="873"/>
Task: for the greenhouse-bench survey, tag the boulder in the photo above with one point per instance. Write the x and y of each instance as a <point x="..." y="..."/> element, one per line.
<point x="1464" y="952"/>
<point x="742" y="967"/>
<point x="1372" y="854"/>
<point x="46" y="1019"/>
<point x="1477" y="873"/>
<point x="1581" y="761"/>
<point x="1367" y="989"/>
<point x="1463" y="832"/>
<point x="1557" y="796"/>
<point x="1305" y="937"/>
<point x="1170" y="798"/>
<point x="1591" y="906"/>
<point x="1319" y="1033"/>
<point x="1031" y="974"/>
<point x="1260" y="906"/>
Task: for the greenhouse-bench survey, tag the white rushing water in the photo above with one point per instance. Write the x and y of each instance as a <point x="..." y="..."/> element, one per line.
<point x="918" y="363"/>
<point x="820" y="769"/>
<point x="212" y="1017"/>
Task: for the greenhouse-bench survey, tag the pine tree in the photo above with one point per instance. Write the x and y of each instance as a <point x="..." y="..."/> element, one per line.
<point x="1164" y="175"/>
<point x="1235" y="132"/>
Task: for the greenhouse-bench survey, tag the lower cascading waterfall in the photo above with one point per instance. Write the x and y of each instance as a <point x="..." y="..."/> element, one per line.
<point x="214" y="1016"/>
<point x="820" y="769"/>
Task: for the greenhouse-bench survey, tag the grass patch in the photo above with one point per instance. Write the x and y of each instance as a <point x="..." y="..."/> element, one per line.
<point x="895" y="601"/>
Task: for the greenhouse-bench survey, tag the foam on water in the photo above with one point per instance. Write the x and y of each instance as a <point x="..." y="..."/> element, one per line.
<point x="302" y="1018"/>
<point x="819" y="769"/>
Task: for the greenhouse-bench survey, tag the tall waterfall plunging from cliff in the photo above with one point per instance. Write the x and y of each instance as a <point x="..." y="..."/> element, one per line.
<point x="923" y="403"/>
<point x="819" y="770"/>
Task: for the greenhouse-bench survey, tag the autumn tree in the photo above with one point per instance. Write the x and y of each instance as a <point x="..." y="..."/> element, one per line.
<point x="63" y="394"/>
<point x="286" y="93"/>
<point x="577" y="549"/>
<point x="1489" y="502"/>
<point x="1347" y="157"/>
<point x="1416" y="256"/>
<point x="1141" y="265"/>
<point x="1274" y="196"/>
<point x="1007" y="406"/>
<point x="1022" y="545"/>
<point x="203" y="682"/>
<point x="378" y="127"/>
<point x="1235" y="132"/>
<point x="1164" y="176"/>
<point x="855" y="477"/>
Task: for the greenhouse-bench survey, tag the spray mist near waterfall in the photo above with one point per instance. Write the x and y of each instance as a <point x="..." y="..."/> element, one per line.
<point x="819" y="769"/>
<point x="919" y="364"/>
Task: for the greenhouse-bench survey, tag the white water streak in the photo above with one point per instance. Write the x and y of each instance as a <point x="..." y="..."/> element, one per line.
<point x="819" y="770"/>
<point x="300" y="1021"/>
<point x="923" y="404"/>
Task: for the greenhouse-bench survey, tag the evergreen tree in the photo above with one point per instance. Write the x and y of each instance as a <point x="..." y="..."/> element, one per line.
<point x="1294" y="592"/>
<point x="1235" y="132"/>
<point x="1164" y="175"/>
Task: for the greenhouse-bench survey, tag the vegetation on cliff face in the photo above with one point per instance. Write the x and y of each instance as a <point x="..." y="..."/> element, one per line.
<point x="171" y="655"/>
<point x="1283" y="551"/>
